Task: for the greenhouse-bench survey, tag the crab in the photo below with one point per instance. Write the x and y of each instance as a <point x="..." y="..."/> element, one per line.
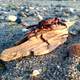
<point x="44" y="25"/>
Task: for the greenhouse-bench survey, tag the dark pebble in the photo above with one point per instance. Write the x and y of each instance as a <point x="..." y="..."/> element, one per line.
<point x="78" y="67"/>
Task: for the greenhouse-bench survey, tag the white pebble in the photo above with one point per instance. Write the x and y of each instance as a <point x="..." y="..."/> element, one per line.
<point x="71" y="9"/>
<point x="58" y="66"/>
<point x="39" y="17"/>
<point x="44" y="9"/>
<point x="37" y="8"/>
<point x="36" y="72"/>
<point x="31" y="8"/>
<point x="24" y="30"/>
<point x="11" y="18"/>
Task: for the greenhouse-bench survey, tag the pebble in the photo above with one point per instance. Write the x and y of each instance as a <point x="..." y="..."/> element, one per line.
<point x="37" y="8"/>
<point x="44" y="9"/>
<point x="75" y="29"/>
<point x="24" y="30"/>
<point x="2" y="18"/>
<point x="31" y="8"/>
<point x="73" y="32"/>
<point x="22" y="7"/>
<point x="78" y="67"/>
<point x="12" y="18"/>
<point x="74" y="49"/>
<point x="36" y="72"/>
<point x="39" y="16"/>
<point x="58" y="66"/>
<point x="72" y="10"/>
<point x="18" y="20"/>
<point x="2" y="65"/>
<point x="25" y="24"/>
<point x="27" y="10"/>
<point x="21" y="14"/>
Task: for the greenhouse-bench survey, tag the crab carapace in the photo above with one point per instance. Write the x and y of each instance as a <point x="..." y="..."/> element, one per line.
<point x="47" y="25"/>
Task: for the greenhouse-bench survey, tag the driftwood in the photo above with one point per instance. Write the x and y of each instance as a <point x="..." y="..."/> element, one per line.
<point x="42" y="43"/>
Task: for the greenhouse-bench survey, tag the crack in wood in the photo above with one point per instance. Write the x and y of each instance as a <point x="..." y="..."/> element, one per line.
<point x="44" y="40"/>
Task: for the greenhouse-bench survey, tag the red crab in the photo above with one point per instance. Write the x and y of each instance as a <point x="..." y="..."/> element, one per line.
<point x="48" y="24"/>
<point x="44" y="25"/>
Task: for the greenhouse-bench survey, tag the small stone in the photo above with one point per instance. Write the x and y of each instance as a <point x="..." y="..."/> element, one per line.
<point x="23" y="7"/>
<point x="78" y="67"/>
<point x="31" y="8"/>
<point x="66" y="14"/>
<point x="72" y="10"/>
<point x="2" y="65"/>
<point x="36" y="73"/>
<point x="2" y="18"/>
<point x="12" y="18"/>
<point x="25" y="24"/>
<point x="73" y="31"/>
<point x="44" y="9"/>
<point x="18" y="20"/>
<point x="44" y="69"/>
<point x="58" y="66"/>
<point x="39" y="17"/>
<point x="24" y="30"/>
<point x="26" y="10"/>
<point x="21" y="13"/>
<point x="37" y="8"/>
<point x="11" y="23"/>
<point x="75" y="49"/>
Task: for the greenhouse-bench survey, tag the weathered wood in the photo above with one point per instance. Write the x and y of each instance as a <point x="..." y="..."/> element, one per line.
<point x="40" y="44"/>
